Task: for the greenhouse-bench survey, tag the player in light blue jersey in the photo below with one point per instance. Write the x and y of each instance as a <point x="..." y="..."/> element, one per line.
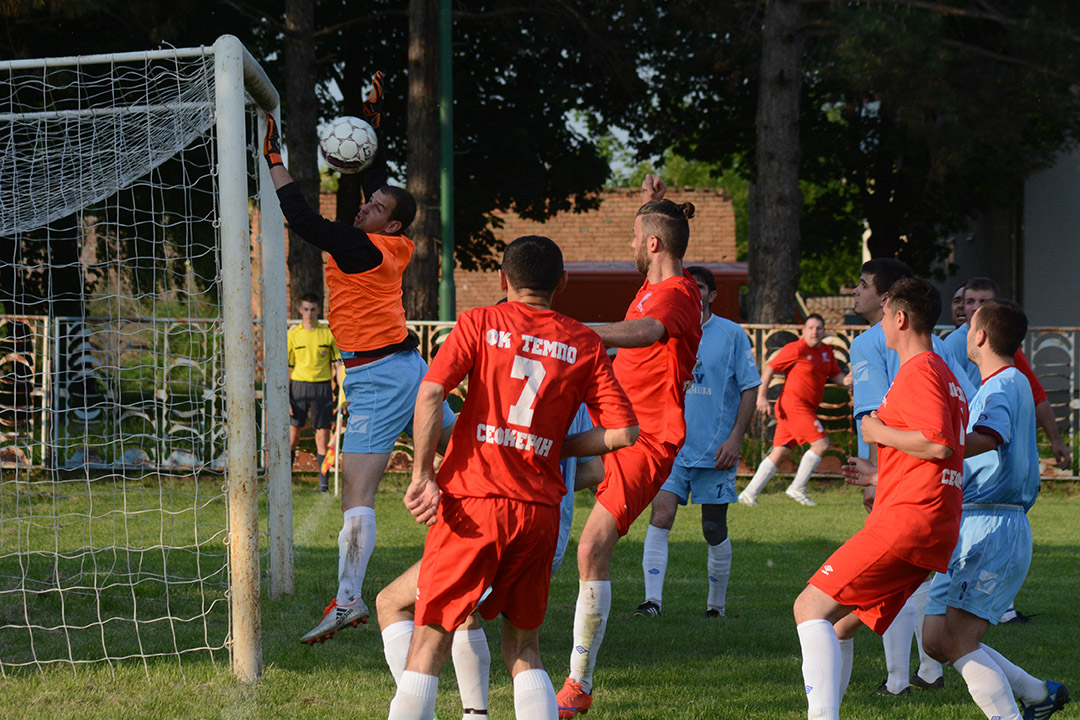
<point x="719" y="407"/>
<point x="978" y="290"/>
<point x="873" y="367"/>
<point x="993" y="553"/>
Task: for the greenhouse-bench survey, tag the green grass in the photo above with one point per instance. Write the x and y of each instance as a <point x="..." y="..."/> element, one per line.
<point x="677" y="666"/>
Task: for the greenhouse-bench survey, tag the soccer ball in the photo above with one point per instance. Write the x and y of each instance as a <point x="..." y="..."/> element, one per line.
<point x="348" y="144"/>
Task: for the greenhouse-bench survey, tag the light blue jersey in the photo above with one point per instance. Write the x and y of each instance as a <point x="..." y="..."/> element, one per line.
<point x="724" y="369"/>
<point x="993" y="551"/>
<point x="956" y="344"/>
<point x="568" y="466"/>
<point x="873" y="367"/>
<point x="1008" y="475"/>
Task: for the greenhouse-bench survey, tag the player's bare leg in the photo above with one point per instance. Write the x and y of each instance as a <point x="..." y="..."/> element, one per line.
<point x="418" y="685"/>
<point x="595" y="548"/>
<point x="395" y="606"/>
<point x="807" y="465"/>
<point x="822" y="668"/>
<point x="764" y="474"/>
<point x="846" y="628"/>
<point x="654" y="556"/>
<point x="534" y="696"/>
<point x="956" y="637"/>
<point x="356" y="541"/>
<point x="322" y="444"/>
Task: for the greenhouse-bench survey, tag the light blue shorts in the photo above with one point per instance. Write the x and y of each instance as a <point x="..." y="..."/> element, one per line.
<point x="989" y="563"/>
<point x="701" y="485"/>
<point x="381" y="397"/>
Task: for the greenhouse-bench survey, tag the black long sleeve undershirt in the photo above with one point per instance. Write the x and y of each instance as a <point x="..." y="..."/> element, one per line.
<point x="350" y="247"/>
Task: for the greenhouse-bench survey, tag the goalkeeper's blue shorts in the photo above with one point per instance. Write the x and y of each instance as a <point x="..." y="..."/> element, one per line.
<point x="381" y="396"/>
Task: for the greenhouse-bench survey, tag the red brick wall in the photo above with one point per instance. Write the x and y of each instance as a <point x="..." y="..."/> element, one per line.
<point x="605" y="234"/>
<point x="601" y="235"/>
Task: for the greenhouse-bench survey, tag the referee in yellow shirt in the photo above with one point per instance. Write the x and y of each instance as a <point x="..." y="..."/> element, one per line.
<point x="313" y="358"/>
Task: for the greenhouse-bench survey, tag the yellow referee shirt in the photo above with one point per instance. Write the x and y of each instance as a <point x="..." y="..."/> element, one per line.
<point x="312" y="354"/>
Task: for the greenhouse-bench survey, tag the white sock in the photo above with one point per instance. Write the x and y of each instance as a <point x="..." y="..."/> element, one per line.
<point x="395" y="643"/>
<point x="534" y="696"/>
<point x="472" y="664"/>
<point x="356" y="541"/>
<point x="415" y="697"/>
<point x="807" y="466"/>
<point x="897" y="642"/>
<point x="987" y="685"/>
<point x="821" y="668"/>
<point x="1024" y="686"/>
<point x="929" y="668"/>
<point x="847" y="659"/>
<point x="654" y="563"/>
<point x="764" y="473"/>
<point x="719" y="566"/>
<point x="590" y="620"/>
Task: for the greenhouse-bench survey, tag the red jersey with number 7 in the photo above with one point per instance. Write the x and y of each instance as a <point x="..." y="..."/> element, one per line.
<point x="529" y="370"/>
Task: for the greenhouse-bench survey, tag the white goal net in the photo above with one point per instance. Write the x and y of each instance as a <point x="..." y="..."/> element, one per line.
<point x="133" y="424"/>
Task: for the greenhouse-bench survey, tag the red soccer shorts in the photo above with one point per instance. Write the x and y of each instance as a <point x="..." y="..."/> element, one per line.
<point x="797" y="424"/>
<point x="632" y="477"/>
<point x="477" y="543"/>
<point x="865" y="574"/>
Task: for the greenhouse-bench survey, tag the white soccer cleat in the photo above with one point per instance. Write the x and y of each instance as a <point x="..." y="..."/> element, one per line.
<point x="747" y="499"/>
<point x="336" y="617"/>
<point x="800" y="497"/>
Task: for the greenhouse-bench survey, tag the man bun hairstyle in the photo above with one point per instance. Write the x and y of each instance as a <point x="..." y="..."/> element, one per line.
<point x="1005" y="324"/>
<point x="404" y="205"/>
<point x="704" y="275"/>
<point x="533" y="262"/>
<point x="668" y="221"/>
<point x="884" y="272"/>
<point x="919" y="300"/>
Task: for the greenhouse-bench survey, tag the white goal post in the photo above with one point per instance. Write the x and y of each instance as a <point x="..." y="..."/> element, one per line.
<point x="135" y="211"/>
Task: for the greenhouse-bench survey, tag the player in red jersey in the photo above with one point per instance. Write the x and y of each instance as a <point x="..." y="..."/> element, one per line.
<point x="809" y="364"/>
<point x="494" y="506"/>
<point x="659" y="340"/>
<point x="919" y="431"/>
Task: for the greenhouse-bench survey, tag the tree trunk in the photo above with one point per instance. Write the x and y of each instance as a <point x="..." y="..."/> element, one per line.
<point x="421" y="282"/>
<point x="301" y="119"/>
<point x="777" y="201"/>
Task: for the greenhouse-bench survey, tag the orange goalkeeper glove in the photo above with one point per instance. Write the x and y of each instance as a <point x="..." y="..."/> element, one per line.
<point x="373" y="104"/>
<point x="272" y="143"/>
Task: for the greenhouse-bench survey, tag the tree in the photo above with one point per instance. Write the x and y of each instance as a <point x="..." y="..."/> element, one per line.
<point x="301" y="118"/>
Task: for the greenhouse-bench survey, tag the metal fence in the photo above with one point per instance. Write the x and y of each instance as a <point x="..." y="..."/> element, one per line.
<point x="165" y="374"/>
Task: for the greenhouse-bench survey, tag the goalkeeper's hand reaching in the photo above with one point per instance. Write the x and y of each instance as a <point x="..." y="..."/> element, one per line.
<point x="373" y="103"/>
<point x="272" y="143"/>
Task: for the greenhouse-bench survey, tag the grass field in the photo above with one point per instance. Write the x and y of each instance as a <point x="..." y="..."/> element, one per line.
<point x="677" y="666"/>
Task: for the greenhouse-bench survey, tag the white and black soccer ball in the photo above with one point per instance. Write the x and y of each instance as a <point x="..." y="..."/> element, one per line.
<point x="348" y="144"/>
